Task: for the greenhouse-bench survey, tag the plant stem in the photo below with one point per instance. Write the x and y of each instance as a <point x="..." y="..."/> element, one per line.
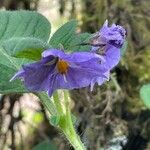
<point x="57" y="103"/>
<point x="118" y="88"/>
<point x="70" y="132"/>
<point x="66" y="124"/>
<point x="75" y="142"/>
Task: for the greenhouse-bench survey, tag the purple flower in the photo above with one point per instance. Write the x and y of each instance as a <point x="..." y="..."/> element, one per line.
<point x="57" y="70"/>
<point x="108" y="43"/>
<point x="113" y="35"/>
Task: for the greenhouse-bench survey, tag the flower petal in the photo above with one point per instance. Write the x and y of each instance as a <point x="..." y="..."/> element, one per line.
<point x="113" y="35"/>
<point x="36" y="75"/>
<point x="100" y="80"/>
<point x="83" y="57"/>
<point x="112" y="57"/>
<point x="37" y="78"/>
<point x="76" y="77"/>
<point x="53" y="52"/>
<point x="73" y="57"/>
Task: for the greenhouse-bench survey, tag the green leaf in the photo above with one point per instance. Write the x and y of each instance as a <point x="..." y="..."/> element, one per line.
<point x="45" y="146"/>
<point x="77" y="44"/>
<point x="145" y="95"/>
<point x="30" y="48"/>
<point x="5" y="85"/>
<point x="64" y="35"/>
<point x="30" y="33"/>
<point x="69" y="39"/>
<point x="8" y="67"/>
<point x="47" y="102"/>
<point x="23" y="24"/>
<point x="20" y="33"/>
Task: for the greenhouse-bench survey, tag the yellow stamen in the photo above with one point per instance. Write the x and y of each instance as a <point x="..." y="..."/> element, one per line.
<point x="62" y="66"/>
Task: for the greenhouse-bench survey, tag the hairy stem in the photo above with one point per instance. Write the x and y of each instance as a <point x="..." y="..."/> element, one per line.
<point x="57" y="103"/>
<point x="70" y="132"/>
<point x="65" y="124"/>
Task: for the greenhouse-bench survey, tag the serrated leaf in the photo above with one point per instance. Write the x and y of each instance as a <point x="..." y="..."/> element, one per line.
<point x="64" y="35"/>
<point x="45" y="146"/>
<point x="16" y="29"/>
<point x="145" y="95"/>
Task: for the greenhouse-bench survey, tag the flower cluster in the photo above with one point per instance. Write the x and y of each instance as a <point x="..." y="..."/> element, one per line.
<point x="58" y="70"/>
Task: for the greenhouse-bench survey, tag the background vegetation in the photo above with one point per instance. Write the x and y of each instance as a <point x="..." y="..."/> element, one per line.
<point x="113" y="116"/>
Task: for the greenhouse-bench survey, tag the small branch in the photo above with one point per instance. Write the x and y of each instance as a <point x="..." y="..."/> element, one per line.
<point x="118" y="88"/>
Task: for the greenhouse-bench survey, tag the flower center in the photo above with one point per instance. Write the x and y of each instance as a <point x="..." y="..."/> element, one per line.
<point x="62" y="66"/>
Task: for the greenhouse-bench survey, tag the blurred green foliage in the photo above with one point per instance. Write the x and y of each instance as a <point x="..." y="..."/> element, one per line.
<point x="38" y="117"/>
<point x="145" y="94"/>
